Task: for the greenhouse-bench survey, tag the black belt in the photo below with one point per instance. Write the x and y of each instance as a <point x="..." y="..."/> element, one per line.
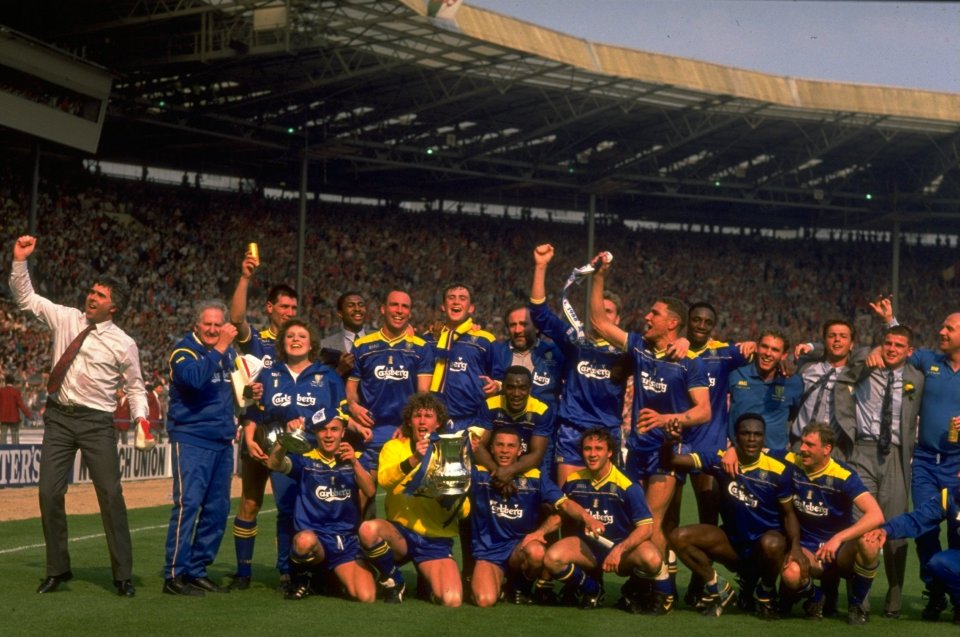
<point x="75" y="409"/>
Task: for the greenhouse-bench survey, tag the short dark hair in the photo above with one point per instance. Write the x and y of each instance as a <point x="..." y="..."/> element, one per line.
<point x="822" y="429"/>
<point x="314" y="351"/>
<point x="428" y="402"/>
<point x="9" y="379"/>
<point x="748" y="416"/>
<point x="511" y="309"/>
<point x="677" y="307"/>
<point x="900" y="330"/>
<point x="455" y="285"/>
<point x="518" y="370"/>
<point x="281" y="289"/>
<point x="775" y="333"/>
<point x="600" y="433"/>
<point x="839" y="321"/>
<point x="343" y="298"/>
<point x="507" y="430"/>
<point x="119" y="292"/>
<point x="704" y="305"/>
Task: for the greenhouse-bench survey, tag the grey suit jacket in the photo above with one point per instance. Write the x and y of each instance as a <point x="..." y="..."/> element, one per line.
<point x="335" y="340"/>
<point x="846" y="414"/>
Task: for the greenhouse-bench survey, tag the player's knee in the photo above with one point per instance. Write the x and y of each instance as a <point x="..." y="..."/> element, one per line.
<point x="249" y="508"/>
<point x="943" y="566"/>
<point x="649" y="558"/>
<point x="791" y="575"/>
<point x="533" y="554"/>
<point x="867" y="552"/>
<point x="483" y="599"/>
<point x="678" y="538"/>
<point x="452" y="598"/>
<point x="772" y="543"/>
<point x="366" y="594"/>
<point x="369" y="533"/>
<point x="553" y="560"/>
<point x="304" y="542"/>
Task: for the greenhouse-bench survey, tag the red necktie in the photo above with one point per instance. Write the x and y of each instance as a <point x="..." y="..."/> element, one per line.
<point x="66" y="359"/>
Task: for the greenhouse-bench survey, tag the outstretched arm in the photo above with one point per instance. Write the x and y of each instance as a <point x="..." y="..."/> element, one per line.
<point x="238" y="303"/>
<point x="602" y="325"/>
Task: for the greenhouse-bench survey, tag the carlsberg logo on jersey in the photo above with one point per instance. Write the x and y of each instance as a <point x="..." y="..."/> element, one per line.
<point x="540" y="380"/>
<point x="282" y="400"/>
<point x="584" y="368"/>
<point x="604" y="517"/>
<point x="810" y="508"/>
<point x="651" y="385"/>
<point x="306" y="401"/>
<point x="504" y="510"/>
<point x="382" y="372"/>
<point x="458" y="365"/>
<point x="748" y="499"/>
<point x="326" y="493"/>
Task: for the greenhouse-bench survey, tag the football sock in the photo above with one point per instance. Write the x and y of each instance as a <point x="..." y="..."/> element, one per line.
<point x="244" y="537"/>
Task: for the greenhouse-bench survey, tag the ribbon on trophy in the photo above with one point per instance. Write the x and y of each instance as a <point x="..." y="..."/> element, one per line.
<point x="576" y="277"/>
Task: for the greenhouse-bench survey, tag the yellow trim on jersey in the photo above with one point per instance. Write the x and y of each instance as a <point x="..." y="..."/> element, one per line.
<point x="267" y="333"/>
<point x="182" y="349"/>
<point x="643" y="522"/>
<point x="316" y="454"/>
<point x="380" y="336"/>
<point x="944" y="499"/>
<point x="534" y="405"/>
<point x="766" y="463"/>
<point x="833" y="470"/>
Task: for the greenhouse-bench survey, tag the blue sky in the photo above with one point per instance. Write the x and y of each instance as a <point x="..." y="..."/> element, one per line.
<point x="909" y="44"/>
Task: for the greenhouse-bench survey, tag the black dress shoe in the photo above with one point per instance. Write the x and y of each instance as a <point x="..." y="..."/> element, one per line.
<point x="178" y="586"/>
<point x="51" y="583"/>
<point x="124" y="588"/>
<point x="207" y="585"/>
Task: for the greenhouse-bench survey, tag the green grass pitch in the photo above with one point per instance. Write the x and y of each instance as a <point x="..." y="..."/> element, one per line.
<point x="87" y="605"/>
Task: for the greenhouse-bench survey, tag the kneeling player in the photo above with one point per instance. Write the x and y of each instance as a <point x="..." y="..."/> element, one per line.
<point x="333" y="486"/>
<point x="824" y="494"/>
<point x="617" y="527"/>
<point x="944" y="567"/>
<point x="417" y="528"/>
<point x="507" y="538"/>
<point x="757" y="510"/>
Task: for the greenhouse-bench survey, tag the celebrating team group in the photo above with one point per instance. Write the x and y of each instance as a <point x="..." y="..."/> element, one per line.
<point x="801" y="480"/>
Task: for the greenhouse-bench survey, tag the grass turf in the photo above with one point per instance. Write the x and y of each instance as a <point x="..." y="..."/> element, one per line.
<point x="88" y="605"/>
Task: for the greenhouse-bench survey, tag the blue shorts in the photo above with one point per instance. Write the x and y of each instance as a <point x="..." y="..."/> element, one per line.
<point x="498" y="553"/>
<point x="568" y="450"/>
<point x="645" y="464"/>
<point x="338" y="549"/>
<point x="421" y="548"/>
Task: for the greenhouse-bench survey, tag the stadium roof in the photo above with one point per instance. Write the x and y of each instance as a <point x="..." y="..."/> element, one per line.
<point x="388" y="103"/>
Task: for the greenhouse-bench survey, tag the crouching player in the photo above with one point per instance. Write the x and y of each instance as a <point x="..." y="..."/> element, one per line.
<point x="824" y="494"/>
<point x="508" y="538"/>
<point x="333" y="489"/>
<point x="417" y="528"/>
<point x="760" y="529"/>
<point x="944" y="567"/>
<point x="616" y="528"/>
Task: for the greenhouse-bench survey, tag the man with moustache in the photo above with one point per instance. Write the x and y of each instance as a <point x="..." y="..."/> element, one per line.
<point x="523" y="347"/>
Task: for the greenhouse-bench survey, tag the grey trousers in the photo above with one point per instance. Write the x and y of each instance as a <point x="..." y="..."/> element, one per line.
<point x="65" y="431"/>
<point x="884" y="478"/>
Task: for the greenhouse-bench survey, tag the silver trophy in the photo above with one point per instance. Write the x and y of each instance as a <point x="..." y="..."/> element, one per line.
<point x="271" y="433"/>
<point x="449" y="470"/>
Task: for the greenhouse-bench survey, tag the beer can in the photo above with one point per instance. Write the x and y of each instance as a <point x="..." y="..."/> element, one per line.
<point x="953" y="436"/>
<point x="254" y="251"/>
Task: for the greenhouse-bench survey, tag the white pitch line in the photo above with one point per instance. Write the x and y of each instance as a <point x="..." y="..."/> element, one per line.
<point x="82" y="538"/>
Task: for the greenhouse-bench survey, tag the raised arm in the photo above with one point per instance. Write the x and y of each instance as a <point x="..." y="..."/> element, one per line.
<point x="238" y="303"/>
<point x="602" y="324"/>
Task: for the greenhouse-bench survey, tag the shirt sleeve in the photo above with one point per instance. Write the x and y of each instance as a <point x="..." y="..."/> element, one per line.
<point x="394" y="452"/>
<point x="44" y="309"/>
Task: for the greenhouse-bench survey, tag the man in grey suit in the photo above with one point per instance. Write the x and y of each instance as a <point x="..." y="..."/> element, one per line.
<point x="352" y="310"/>
<point x="877" y="409"/>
